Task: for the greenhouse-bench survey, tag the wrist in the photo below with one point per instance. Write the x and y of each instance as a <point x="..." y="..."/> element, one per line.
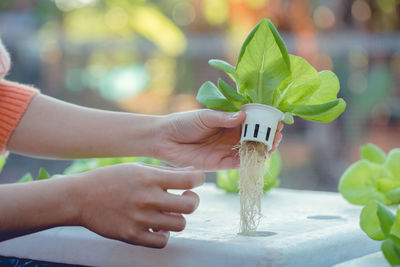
<point x="73" y="200"/>
<point x="163" y="135"/>
<point x="146" y="134"/>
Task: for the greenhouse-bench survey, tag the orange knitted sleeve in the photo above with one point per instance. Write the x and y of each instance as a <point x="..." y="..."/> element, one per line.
<point x="14" y="99"/>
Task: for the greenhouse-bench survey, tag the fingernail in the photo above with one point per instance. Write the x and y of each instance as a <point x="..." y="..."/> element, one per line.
<point x="235" y="115"/>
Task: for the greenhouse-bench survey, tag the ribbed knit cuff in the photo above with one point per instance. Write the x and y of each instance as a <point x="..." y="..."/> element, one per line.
<point x="14" y="100"/>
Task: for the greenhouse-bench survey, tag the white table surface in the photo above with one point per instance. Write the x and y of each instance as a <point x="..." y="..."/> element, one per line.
<point x="311" y="229"/>
<point x="372" y="260"/>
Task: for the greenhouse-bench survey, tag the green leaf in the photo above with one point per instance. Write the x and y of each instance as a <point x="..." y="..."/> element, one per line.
<point x="309" y="88"/>
<point x="394" y="195"/>
<point x="43" y="174"/>
<point x="26" y="178"/>
<point x="372" y="153"/>
<point x="393" y="163"/>
<point x="247" y="41"/>
<point x="288" y="118"/>
<point x="327" y="116"/>
<point x="2" y="162"/>
<point x="391" y="252"/>
<point x="302" y="83"/>
<point x="395" y="230"/>
<point x="261" y="66"/>
<point x="211" y="97"/>
<point x="327" y="91"/>
<point x="224" y="66"/>
<point x="357" y="184"/>
<point x="325" y="112"/>
<point x="234" y="97"/>
<point x="369" y="221"/>
<point x="384" y="185"/>
<point x="310" y="110"/>
<point x="280" y="43"/>
<point x="386" y="219"/>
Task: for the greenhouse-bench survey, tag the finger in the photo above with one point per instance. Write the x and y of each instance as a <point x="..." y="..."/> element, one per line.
<point x="168" y="179"/>
<point x="157" y="239"/>
<point x="185" y="203"/>
<point x="278" y="138"/>
<point x="168" y="222"/>
<point x="280" y="126"/>
<point x="169" y="168"/>
<point x="217" y="119"/>
<point x="229" y="163"/>
<point x="273" y="149"/>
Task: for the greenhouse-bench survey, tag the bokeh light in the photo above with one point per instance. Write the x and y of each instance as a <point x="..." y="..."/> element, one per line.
<point x="395" y="63"/>
<point x="387" y="6"/>
<point x="361" y="10"/>
<point x="324" y="17"/>
<point x="183" y="14"/>
<point x="123" y="82"/>
<point x="94" y="74"/>
<point x="152" y="24"/>
<point x="50" y="52"/>
<point x="216" y="12"/>
<point x="357" y="82"/>
<point x="74" y="81"/>
<point x="358" y="57"/>
<point x="117" y="18"/>
<point x="68" y="5"/>
<point x="257" y="4"/>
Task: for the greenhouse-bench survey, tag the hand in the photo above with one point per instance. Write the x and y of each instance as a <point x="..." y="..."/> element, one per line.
<point x="130" y="202"/>
<point x="205" y="139"/>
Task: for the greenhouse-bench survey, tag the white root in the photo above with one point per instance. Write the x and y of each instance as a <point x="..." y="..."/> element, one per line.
<point x="251" y="182"/>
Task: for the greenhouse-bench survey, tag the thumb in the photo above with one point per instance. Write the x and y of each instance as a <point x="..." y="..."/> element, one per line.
<point x="216" y="119"/>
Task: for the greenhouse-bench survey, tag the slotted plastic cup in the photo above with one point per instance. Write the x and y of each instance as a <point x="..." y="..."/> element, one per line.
<point x="260" y="124"/>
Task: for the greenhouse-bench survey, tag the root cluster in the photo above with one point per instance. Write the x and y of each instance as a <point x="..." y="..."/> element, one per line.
<point x="251" y="182"/>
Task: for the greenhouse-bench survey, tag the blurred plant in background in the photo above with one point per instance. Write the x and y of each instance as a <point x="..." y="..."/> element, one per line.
<point x="229" y="179"/>
<point x="151" y="57"/>
<point x="83" y="165"/>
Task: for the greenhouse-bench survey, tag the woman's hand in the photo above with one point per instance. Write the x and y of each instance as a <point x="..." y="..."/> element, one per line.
<point x="204" y="139"/>
<point x="130" y="202"/>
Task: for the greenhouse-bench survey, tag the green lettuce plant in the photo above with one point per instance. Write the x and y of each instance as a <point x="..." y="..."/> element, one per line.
<point x="374" y="181"/>
<point x="380" y="224"/>
<point x="229" y="179"/>
<point x="375" y="176"/>
<point x="266" y="74"/>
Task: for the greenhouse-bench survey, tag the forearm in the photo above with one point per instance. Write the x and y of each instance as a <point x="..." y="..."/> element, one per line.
<point x="31" y="207"/>
<point x="53" y="128"/>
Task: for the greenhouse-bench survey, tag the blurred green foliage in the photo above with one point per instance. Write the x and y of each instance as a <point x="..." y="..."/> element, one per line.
<point x="83" y="165"/>
<point x="229" y="179"/>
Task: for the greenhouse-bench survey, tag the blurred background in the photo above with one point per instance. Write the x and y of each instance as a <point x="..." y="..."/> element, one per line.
<point x="151" y="57"/>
